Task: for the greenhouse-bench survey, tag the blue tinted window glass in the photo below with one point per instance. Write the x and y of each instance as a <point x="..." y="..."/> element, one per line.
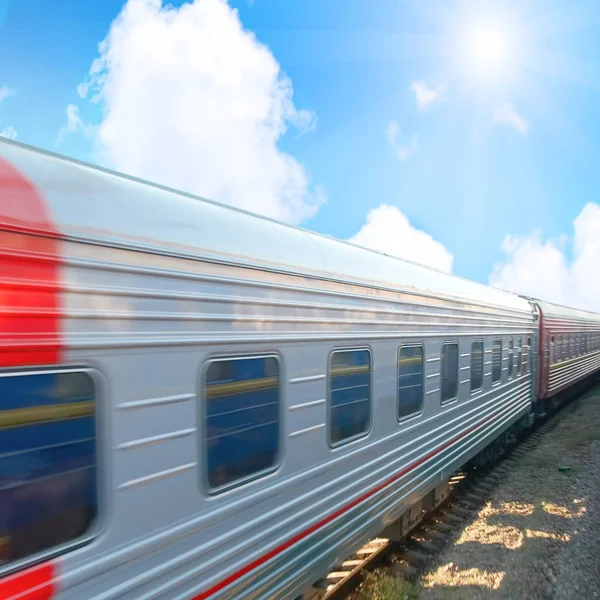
<point x="48" y="492"/>
<point x="476" y="366"/>
<point x="496" y="360"/>
<point x="349" y="394"/>
<point x="242" y="418"/>
<point x="410" y="381"/>
<point x="449" y="373"/>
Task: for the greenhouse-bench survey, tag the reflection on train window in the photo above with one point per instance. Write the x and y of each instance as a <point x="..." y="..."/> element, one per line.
<point x="449" y="374"/>
<point x="241" y="418"/>
<point x="410" y="381"/>
<point x="496" y="360"/>
<point x="476" y="365"/>
<point x="510" y="358"/>
<point x="48" y="493"/>
<point x="519" y="357"/>
<point x="349" y="395"/>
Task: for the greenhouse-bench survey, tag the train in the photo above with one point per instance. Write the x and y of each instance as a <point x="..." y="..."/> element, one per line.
<point x="197" y="402"/>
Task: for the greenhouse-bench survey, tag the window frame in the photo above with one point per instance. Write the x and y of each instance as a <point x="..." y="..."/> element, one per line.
<point x="423" y="379"/>
<point x="365" y="434"/>
<point x="203" y="468"/>
<point x="510" y="359"/>
<point x="99" y="523"/>
<point x="519" y="352"/>
<point x="480" y="388"/>
<point x="453" y="398"/>
<point x="499" y="380"/>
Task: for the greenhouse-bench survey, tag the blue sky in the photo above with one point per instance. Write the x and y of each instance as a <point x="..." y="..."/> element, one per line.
<point x="508" y="147"/>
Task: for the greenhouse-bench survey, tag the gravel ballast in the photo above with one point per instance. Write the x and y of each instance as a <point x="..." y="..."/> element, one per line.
<point x="538" y="535"/>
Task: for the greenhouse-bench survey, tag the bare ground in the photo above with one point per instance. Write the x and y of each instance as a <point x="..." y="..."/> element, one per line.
<point x="538" y="536"/>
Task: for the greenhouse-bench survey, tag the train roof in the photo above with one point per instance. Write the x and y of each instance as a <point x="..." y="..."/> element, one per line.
<point x="89" y="202"/>
<point x="550" y="309"/>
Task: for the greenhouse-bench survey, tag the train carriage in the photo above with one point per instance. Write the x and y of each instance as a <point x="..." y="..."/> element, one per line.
<point x="258" y="402"/>
<point x="569" y="348"/>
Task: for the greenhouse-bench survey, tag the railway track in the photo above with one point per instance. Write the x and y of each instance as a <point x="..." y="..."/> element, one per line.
<point x="468" y="492"/>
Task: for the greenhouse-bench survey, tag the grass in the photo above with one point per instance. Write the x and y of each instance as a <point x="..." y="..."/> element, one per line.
<point x="534" y="459"/>
<point x="583" y="436"/>
<point x="379" y="586"/>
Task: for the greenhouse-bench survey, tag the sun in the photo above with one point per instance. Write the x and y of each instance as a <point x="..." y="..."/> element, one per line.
<point x="488" y="48"/>
<point x="487" y="52"/>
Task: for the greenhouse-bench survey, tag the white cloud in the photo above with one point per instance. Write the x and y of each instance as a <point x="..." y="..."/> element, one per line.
<point x="75" y="124"/>
<point x="403" y="151"/>
<point x="506" y="114"/>
<point x="388" y="230"/>
<point x="5" y="92"/>
<point x="427" y="96"/>
<point x="193" y="100"/>
<point x="538" y="268"/>
<point x="9" y="132"/>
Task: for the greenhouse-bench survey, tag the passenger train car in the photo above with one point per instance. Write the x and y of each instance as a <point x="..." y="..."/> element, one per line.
<point x="196" y="402"/>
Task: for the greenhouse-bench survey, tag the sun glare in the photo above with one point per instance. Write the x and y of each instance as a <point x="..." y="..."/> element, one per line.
<point x="487" y="52"/>
<point x="488" y="49"/>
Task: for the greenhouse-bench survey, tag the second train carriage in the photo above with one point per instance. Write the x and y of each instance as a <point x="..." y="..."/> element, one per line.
<point x="262" y="400"/>
<point x="569" y="348"/>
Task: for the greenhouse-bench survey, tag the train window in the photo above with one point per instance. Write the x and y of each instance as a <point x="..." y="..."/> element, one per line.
<point x="449" y="373"/>
<point x="519" y="357"/>
<point x="476" y="365"/>
<point x="410" y="381"/>
<point x="496" y="360"/>
<point x="48" y="491"/>
<point x="241" y="418"/>
<point x="349" y="395"/>
<point x="510" y="358"/>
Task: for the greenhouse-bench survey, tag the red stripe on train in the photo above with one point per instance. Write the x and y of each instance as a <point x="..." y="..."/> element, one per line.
<point x="303" y="534"/>
<point x="29" y="274"/>
<point x="36" y="583"/>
